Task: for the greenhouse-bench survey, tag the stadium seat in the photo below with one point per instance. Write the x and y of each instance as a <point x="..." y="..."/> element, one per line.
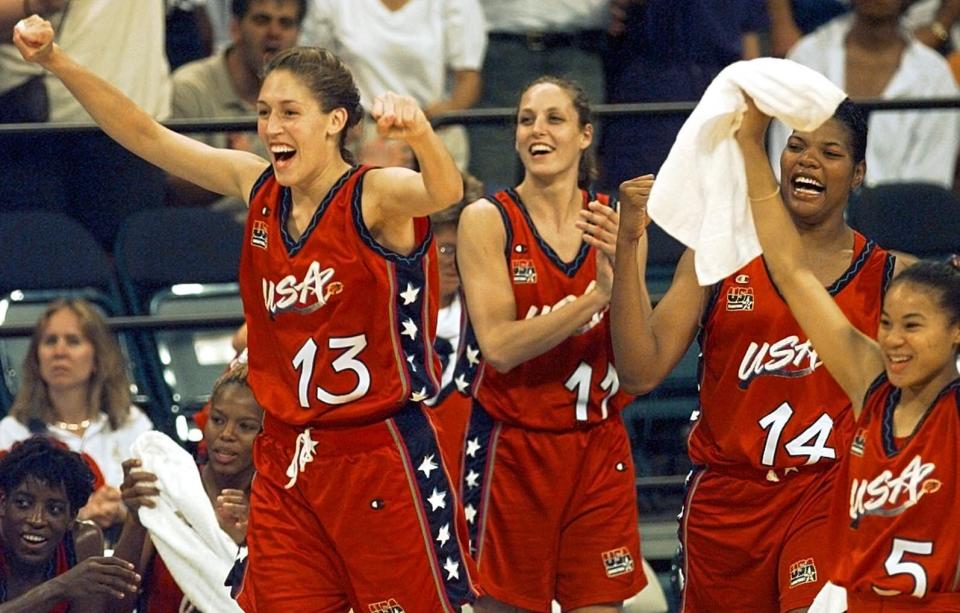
<point x="47" y="256"/>
<point x="182" y="261"/>
<point x="918" y="218"/>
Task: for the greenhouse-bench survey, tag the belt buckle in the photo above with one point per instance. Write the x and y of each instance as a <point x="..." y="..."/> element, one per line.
<point x="536" y="41"/>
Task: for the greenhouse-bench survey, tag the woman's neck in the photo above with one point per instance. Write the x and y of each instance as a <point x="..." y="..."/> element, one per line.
<point x="71" y="405"/>
<point x="916" y="400"/>
<point x="558" y="201"/>
<point x="875" y="35"/>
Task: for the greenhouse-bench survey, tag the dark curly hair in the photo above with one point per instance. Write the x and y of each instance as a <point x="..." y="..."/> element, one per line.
<point x="48" y="462"/>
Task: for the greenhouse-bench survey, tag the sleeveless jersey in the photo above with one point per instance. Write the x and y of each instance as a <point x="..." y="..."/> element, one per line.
<point x="573" y="384"/>
<point x="896" y="516"/>
<point x="766" y="401"/>
<point x="340" y="327"/>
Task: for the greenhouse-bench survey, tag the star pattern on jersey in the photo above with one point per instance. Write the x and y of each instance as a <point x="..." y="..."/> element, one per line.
<point x="462" y="384"/>
<point x="473" y="446"/>
<point x="472" y="479"/>
<point x="443" y="535"/>
<point x="409" y="328"/>
<point x="428" y="465"/>
<point x="410" y="294"/>
<point x="470" y="513"/>
<point x="411" y="359"/>
<point x="419" y="395"/>
<point x="437" y="500"/>
<point x="473" y="355"/>
<point x="452" y="567"/>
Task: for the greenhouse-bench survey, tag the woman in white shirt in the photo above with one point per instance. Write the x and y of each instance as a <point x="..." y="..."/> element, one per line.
<point x="75" y="389"/>
<point x="431" y="50"/>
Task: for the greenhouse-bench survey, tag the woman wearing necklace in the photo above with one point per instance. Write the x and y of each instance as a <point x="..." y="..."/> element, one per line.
<point x="75" y="389"/>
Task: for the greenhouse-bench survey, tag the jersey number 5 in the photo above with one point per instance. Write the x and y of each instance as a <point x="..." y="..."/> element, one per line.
<point x="894" y="565"/>
<point x="304" y="362"/>
<point x="579" y="383"/>
<point x="812" y="442"/>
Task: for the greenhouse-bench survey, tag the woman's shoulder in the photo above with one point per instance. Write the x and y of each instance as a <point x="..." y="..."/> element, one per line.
<point x="11" y="431"/>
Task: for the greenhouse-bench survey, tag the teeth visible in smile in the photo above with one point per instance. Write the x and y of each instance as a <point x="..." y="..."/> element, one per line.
<point x="33" y="538"/>
<point x="898" y="359"/>
<point x="807" y="185"/>
<point x="282" y="149"/>
<point x="537" y="149"/>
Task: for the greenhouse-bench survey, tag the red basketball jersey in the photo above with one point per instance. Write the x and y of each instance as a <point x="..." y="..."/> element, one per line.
<point x="766" y="401"/>
<point x="340" y="328"/>
<point x="897" y="516"/>
<point x="573" y="384"/>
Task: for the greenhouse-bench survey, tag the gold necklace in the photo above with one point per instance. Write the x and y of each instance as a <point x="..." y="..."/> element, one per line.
<point x="71" y="427"/>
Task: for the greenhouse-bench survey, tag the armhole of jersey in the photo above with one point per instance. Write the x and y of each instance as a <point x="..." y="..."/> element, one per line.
<point x="356" y="209"/>
<point x="880" y="380"/>
<point x="711" y="303"/>
<point x="507" y="226"/>
<point x="266" y="174"/>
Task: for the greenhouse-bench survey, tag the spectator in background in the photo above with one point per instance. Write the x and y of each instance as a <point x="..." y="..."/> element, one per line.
<point x="228" y="434"/>
<point x="61" y="568"/>
<point x="189" y="32"/>
<point x="667" y="51"/>
<point x="870" y="55"/>
<point x="69" y="171"/>
<point x="226" y="84"/>
<point x="409" y="47"/>
<point x="526" y="39"/>
<point x="932" y="21"/>
<point x="75" y="389"/>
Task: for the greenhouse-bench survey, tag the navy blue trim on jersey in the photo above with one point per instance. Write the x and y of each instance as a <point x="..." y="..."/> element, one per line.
<point x="473" y="481"/>
<point x="507" y="226"/>
<point x="854" y="268"/>
<point x="889" y="265"/>
<point x="286" y="204"/>
<point x="410" y="298"/>
<point x="368" y="239"/>
<point x="438" y="498"/>
<point x="266" y="174"/>
<point x="469" y="358"/>
<point x="889" y="442"/>
<point x="569" y="269"/>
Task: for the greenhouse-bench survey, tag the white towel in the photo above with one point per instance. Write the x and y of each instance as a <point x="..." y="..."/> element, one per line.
<point x="830" y="599"/>
<point x="183" y="525"/>
<point x="700" y="195"/>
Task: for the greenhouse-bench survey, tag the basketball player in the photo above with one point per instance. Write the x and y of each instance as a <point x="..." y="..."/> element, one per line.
<point x="895" y="514"/>
<point x="548" y="481"/>
<point x="338" y="279"/>
<point x="771" y="422"/>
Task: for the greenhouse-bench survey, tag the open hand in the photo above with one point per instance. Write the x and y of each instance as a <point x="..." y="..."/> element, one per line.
<point x="98" y="576"/>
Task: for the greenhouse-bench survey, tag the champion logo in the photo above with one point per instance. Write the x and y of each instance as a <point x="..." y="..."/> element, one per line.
<point x="742" y="279"/>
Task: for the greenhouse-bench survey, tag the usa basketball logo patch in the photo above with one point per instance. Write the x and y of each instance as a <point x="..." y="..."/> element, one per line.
<point x="258" y="236"/>
<point x="859" y="442"/>
<point x="740" y="299"/>
<point x="617" y="562"/>
<point x="803" y="572"/>
<point x="524" y="272"/>
<point x="387" y="606"/>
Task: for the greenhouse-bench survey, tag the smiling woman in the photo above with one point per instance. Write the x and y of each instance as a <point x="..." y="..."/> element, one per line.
<point x="341" y="375"/>
<point x="75" y="389"/>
